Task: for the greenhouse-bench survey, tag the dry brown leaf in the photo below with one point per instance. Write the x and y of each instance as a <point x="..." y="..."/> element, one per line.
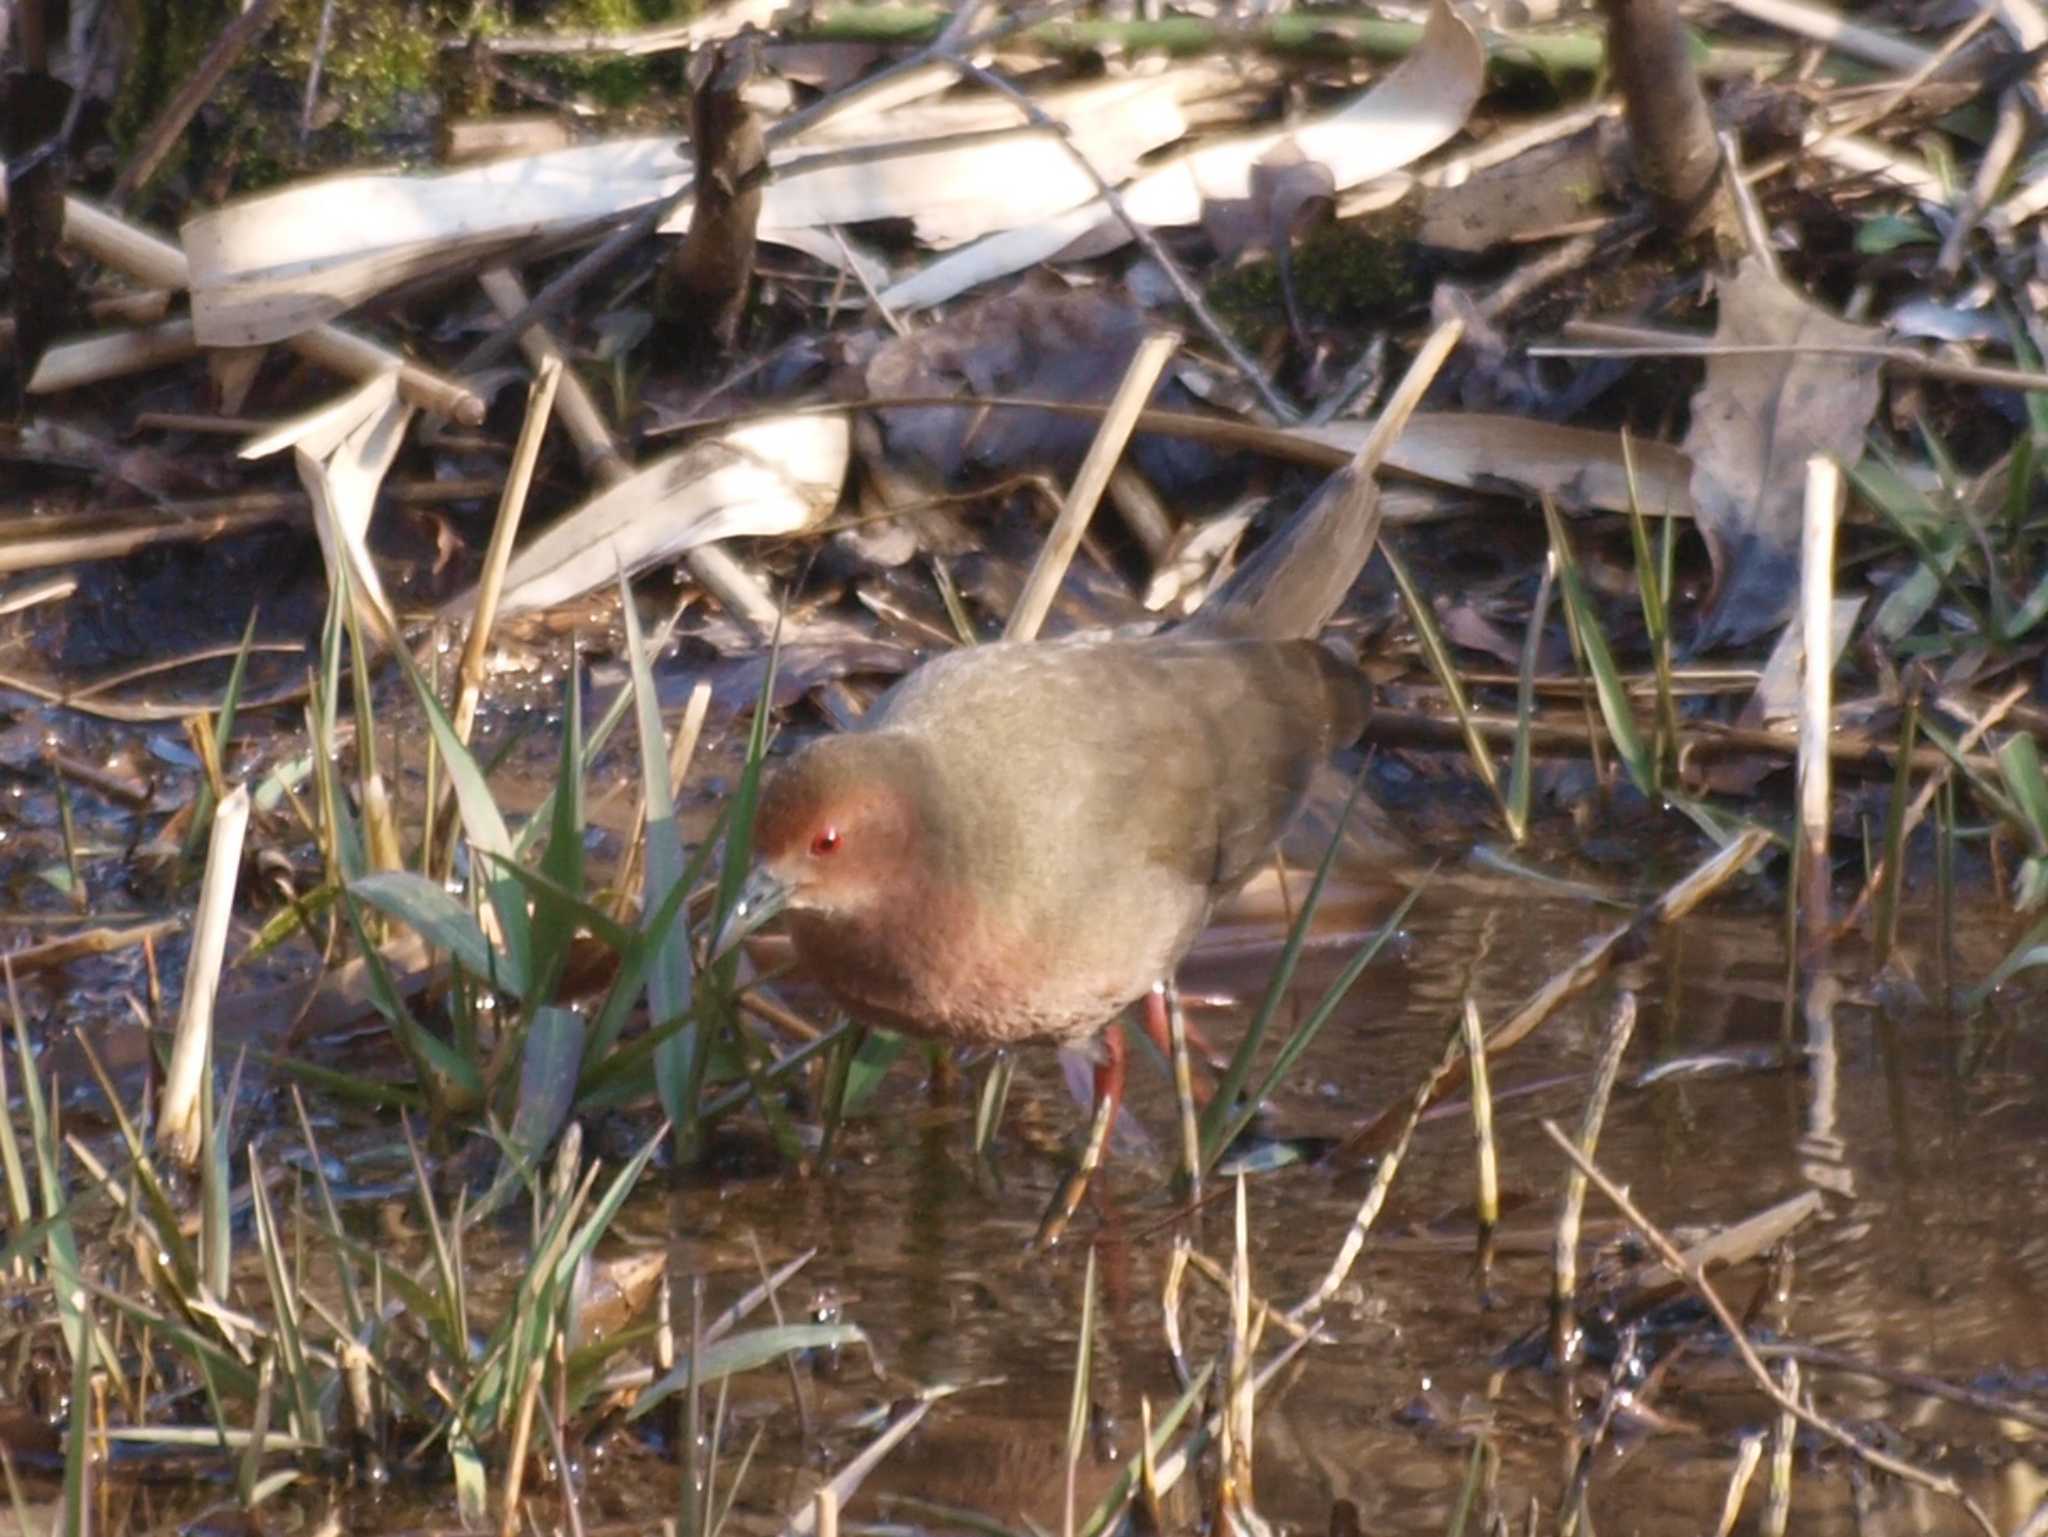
<point x="1755" y="422"/>
<point x="1581" y="468"/>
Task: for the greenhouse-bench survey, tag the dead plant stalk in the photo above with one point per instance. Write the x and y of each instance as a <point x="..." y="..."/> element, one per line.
<point x="1694" y="1277"/>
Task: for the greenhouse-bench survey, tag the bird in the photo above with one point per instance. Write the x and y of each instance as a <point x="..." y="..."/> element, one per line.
<point x="1020" y="839"/>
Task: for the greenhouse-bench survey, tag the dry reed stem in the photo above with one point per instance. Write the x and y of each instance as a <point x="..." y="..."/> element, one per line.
<point x="540" y="402"/>
<point x="102" y="941"/>
<point x="1564" y="1281"/>
<point x="515" y="1460"/>
<point x="1142" y="234"/>
<point x="1993" y="1404"/>
<point x="1178" y="1262"/>
<point x="1939" y="776"/>
<point x="1234" y="1494"/>
<point x="681" y="751"/>
<point x="1040" y="587"/>
<point x="1184" y="1091"/>
<point x="1747" y="1455"/>
<point x="1701" y="742"/>
<point x="1611" y="339"/>
<point x="736" y="588"/>
<point x="156" y="263"/>
<point x="1214" y="1274"/>
<point x="1816" y="703"/>
<point x="1694" y="1277"/>
<point x="1777" y="1516"/>
<point x="1487" y="1154"/>
<point x="1425" y="1095"/>
<point x="89" y="360"/>
<point x="178" y="1117"/>
<point x="168" y="128"/>
<point x="1730" y="1245"/>
<point x="1593" y="962"/>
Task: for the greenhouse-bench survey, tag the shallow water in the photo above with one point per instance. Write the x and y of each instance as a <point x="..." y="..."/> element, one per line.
<point x="1925" y="1140"/>
<point x="1930" y="1256"/>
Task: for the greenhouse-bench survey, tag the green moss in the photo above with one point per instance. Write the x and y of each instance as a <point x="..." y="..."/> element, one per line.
<point x="169" y="39"/>
<point x="1345" y="274"/>
<point x="381" y="63"/>
<point x="616" y="83"/>
<point x="386" y="77"/>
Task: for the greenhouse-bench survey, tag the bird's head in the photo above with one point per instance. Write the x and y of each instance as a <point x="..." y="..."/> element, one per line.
<point x="841" y="831"/>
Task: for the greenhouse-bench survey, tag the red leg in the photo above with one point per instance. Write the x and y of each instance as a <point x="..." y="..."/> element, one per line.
<point x="1109" y="1073"/>
<point x="1159" y="1026"/>
<point x="1109" y="1096"/>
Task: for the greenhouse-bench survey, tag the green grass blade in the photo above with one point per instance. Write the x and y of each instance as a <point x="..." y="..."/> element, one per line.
<point x="1521" y="769"/>
<point x="1989" y="794"/>
<point x="788" y="1142"/>
<point x="453" y="1081"/>
<point x="548" y="1068"/>
<point x="746" y="1352"/>
<point x="222" y="1369"/>
<point x="635" y="957"/>
<point x="482" y="823"/>
<point x="1222" y="1107"/>
<point x="1306" y="1032"/>
<point x="874" y="1053"/>
<point x="2019" y="765"/>
<point x="1437" y="652"/>
<point x="430" y="910"/>
<point x="77" y="1440"/>
<point x="19" y="1210"/>
<point x="61" y="1251"/>
<point x="594" y="744"/>
<point x="554" y="923"/>
<point x="163" y="1212"/>
<point x="669" y="982"/>
<point x="351" y="1087"/>
<point x="286" y="1329"/>
<point x="2029" y="953"/>
<point x="216" y="1197"/>
<point x="1608" y="686"/>
<point x="574" y="910"/>
<point x="353" y="1315"/>
<point x="1656" y="618"/>
<point x="450" y="1309"/>
<point x="1935" y="538"/>
<point x="732" y="874"/>
<point x="1111" y="1505"/>
<point x="1885" y="921"/>
<point x="1078" y="1401"/>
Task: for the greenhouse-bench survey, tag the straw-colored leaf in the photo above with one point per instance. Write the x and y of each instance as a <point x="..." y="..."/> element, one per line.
<point x="1415" y="108"/>
<point x="1582" y="468"/>
<point x="267" y="267"/>
<point x="178" y="1111"/>
<point x="342" y="451"/>
<point x="777" y="476"/>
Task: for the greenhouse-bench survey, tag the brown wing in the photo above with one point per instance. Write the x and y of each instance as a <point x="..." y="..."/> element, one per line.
<point x="1093" y="761"/>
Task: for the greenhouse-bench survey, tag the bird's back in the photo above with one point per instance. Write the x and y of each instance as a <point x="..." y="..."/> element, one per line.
<point x="1113" y="789"/>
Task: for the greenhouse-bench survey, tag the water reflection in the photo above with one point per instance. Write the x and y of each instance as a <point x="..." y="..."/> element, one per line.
<point x="1922" y="1134"/>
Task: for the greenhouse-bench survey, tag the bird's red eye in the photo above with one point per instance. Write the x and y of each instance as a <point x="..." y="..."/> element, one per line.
<point x="826" y="842"/>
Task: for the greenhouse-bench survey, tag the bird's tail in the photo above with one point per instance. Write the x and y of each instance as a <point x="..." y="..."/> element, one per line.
<point x="1295" y="582"/>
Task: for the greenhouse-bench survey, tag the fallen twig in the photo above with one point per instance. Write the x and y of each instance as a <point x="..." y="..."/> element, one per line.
<point x="1691" y="1272"/>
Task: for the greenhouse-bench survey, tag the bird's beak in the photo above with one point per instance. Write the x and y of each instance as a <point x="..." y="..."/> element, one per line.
<point x="763" y="896"/>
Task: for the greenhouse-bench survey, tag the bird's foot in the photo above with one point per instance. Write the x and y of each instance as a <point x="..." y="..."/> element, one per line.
<point x="1109" y="1095"/>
